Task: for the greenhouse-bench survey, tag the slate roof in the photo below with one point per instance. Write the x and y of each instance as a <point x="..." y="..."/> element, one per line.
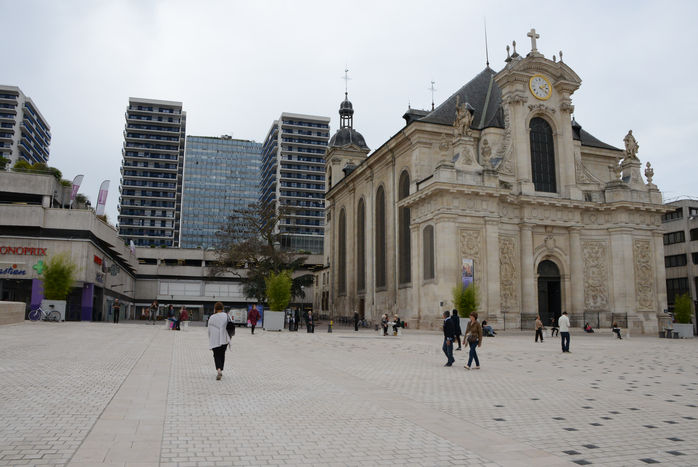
<point x="347" y="136"/>
<point x="483" y="94"/>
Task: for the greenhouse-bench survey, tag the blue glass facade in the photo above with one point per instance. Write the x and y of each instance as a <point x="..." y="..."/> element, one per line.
<point x="220" y="175"/>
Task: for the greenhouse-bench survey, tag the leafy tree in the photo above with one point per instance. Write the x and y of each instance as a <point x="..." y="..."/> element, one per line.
<point x="249" y="241"/>
<point x="22" y="165"/>
<point x="465" y="299"/>
<point x="3" y="162"/>
<point x="58" y="277"/>
<point x="682" y="309"/>
<point x="278" y="290"/>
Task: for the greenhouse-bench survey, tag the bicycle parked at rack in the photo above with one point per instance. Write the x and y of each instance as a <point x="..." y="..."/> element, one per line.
<point x="40" y="314"/>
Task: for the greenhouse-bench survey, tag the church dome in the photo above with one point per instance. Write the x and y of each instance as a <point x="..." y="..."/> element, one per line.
<point x="346" y="137"/>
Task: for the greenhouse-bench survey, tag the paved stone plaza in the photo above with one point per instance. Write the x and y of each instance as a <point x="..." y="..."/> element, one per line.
<point x="85" y="394"/>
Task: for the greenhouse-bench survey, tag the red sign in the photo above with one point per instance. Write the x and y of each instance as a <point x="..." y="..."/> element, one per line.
<point x="22" y="250"/>
<point x="98" y="260"/>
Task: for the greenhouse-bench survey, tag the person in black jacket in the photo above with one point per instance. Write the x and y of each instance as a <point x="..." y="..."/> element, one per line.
<point x="456" y="325"/>
<point x="449" y="336"/>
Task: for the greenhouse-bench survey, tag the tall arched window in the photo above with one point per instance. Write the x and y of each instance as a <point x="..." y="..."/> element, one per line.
<point x="404" y="231"/>
<point x="428" y="248"/>
<point x="542" y="156"/>
<point x="342" y="253"/>
<point x="380" y="238"/>
<point x="361" y="246"/>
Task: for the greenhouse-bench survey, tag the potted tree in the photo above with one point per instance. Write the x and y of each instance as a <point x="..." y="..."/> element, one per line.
<point x="682" y="316"/>
<point x="278" y="291"/>
<point x="465" y="300"/>
<point x="58" y="278"/>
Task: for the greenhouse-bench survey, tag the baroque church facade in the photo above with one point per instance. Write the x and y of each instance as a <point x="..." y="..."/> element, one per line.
<point x="501" y="186"/>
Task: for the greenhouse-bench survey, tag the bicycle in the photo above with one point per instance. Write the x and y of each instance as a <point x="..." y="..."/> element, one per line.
<point x="40" y="314"/>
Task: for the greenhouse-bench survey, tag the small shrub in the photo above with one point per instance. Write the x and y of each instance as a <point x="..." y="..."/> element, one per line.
<point x="465" y="299"/>
<point x="682" y="309"/>
<point x="278" y="290"/>
<point x="59" y="276"/>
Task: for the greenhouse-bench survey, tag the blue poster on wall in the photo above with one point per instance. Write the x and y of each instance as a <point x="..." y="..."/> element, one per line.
<point x="467" y="272"/>
<point x="260" y="309"/>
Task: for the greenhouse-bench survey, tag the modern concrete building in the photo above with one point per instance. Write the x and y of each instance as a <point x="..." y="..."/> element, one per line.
<point x="293" y="166"/>
<point x="24" y="132"/>
<point x="150" y="198"/>
<point x="34" y="226"/>
<point x="221" y="175"/>
<point x="681" y="250"/>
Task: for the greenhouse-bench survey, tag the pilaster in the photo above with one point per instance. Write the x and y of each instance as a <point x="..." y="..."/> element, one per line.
<point x="528" y="286"/>
<point x="494" y="314"/>
<point x="576" y="272"/>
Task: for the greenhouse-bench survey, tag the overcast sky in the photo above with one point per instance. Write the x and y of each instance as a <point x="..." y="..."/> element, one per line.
<point x="237" y="65"/>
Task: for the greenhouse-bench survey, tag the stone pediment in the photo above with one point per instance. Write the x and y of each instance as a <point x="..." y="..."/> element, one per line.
<point x="520" y="71"/>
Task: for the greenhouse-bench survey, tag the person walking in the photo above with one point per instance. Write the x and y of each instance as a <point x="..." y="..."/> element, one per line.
<point x="253" y="317"/>
<point x="473" y="335"/>
<point x="564" y="325"/>
<point x="356" y="320"/>
<point x="539" y="329"/>
<point x="154" y="311"/>
<point x="449" y="336"/>
<point x="218" y="338"/>
<point x="456" y="324"/>
<point x="183" y="316"/>
<point x="553" y="327"/>
<point x="116" y="310"/>
<point x="310" y="326"/>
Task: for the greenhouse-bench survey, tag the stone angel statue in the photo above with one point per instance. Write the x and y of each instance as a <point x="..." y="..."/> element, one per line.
<point x="464" y="118"/>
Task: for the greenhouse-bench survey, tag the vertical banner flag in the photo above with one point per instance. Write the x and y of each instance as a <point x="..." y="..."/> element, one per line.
<point x="102" y="198"/>
<point x="467" y="272"/>
<point x="132" y="247"/>
<point x="77" y="181"/>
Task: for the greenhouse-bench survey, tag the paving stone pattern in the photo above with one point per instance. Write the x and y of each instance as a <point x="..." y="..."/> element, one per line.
<point x="86" y="394"/>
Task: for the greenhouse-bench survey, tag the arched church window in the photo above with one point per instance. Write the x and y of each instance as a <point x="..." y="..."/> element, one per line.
<point x="361" y="246"/>
<point x="428" y="250"/>
<point x="542" y="156"/>
<point x="404" y="230"/>
<point x="380" y="238"/>
<point x="342" y="253"/>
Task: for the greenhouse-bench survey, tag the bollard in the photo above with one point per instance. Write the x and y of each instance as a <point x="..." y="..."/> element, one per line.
<point x="329" y="326"/>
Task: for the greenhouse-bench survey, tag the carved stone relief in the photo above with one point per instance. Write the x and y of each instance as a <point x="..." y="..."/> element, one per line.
<point x="541" y="107"/>
<point x="582" y="174"/>
<point x="470" y="247"/>
<point x="508" y="273"/>
<point x="595" y="255"/>
<point x="644" y="275"/>
<point x="504" y="152"/>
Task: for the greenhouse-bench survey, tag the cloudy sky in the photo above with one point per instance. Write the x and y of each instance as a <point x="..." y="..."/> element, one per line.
<point x="236" y="65"/>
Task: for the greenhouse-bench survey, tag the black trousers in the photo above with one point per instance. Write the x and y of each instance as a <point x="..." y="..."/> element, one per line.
<point x="116" y="316"/>
<point x="219" y="356"/>
<point x="458" y="340"/>
<point x="539" y="333"/>
<point x="253" y="326"/>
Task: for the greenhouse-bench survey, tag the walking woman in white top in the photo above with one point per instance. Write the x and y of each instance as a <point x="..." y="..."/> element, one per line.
<point x="218" y="338"/>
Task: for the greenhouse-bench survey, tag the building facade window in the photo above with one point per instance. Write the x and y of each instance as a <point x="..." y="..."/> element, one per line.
<point x="694" y="257"/>
<point x="674" y="261"/>
<point x="380" y="238"/>
<point x="673" y="215"/>
<point x="342" y="252"/>
<point x="542" y="156"/>
<point x="404" y="231"/>
<point x="361" y="246"/>
<point x="694" y="234"/>
<point x="674" y="237"/>
<point x="428" y="249"/>
<point x="676" y="287"/>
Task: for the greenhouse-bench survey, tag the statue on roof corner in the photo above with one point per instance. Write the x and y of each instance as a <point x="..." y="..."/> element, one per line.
<point x="631" y="147"/>
<point x="464" y="118"/>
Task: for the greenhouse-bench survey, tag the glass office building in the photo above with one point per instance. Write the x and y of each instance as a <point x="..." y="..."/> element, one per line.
<point x="24" y="132"/>
<point x="293" y="176"/>
<point x="221" y="174"/>
<point x="150" y="195"/>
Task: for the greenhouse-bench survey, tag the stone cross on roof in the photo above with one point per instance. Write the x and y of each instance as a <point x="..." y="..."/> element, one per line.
<point x="532" y="34"/>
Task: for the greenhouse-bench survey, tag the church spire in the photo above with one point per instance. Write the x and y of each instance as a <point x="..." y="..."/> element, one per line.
<point x="346" y="110"/>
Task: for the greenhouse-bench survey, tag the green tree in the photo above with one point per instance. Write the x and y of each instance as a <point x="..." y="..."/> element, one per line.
<point x="278" y="290"/>
<point x="3" y="162"/>
<point x="682" y="309"/>
<point x="22" y="166"/>
<point x="58" y="277"/>
<point x="465" y="299"/>
<point x="249" y="242"/>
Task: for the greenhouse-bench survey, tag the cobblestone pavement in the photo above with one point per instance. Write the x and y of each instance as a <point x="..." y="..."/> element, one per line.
<point x="85" y="394"/>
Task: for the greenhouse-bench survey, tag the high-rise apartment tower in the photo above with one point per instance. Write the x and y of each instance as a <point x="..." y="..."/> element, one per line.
<point x="150" y="201"/>
<point x="24" y="132"/>
<point x="293" y="176"/>
<point x="222" y="174"/>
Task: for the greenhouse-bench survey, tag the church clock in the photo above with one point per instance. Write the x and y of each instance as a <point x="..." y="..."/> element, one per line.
<point x="540" y="87"/>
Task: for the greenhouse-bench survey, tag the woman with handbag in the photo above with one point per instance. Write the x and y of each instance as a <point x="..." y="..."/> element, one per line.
<point x="474" y="338"/>
<point x="218" y="337"/>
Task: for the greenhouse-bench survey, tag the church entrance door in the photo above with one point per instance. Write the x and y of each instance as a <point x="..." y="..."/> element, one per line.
<point x="549" y="295"/>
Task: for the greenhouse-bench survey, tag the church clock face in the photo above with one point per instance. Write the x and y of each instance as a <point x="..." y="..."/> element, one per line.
<point x="540" y="87"/>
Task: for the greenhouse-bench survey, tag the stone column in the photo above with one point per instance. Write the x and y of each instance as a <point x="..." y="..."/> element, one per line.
<point x="491" y="279"/>
<point x="576" y="273"/>
<point x="528" y="273"/>
<point x="660" y="284"/>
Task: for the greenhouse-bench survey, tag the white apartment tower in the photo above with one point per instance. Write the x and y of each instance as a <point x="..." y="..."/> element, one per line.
<point x="24" y="132"/>
<point x="150" y="201"/>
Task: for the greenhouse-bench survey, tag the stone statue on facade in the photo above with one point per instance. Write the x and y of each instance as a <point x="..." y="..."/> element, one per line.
<point x="464" y="118"/>
<point x="631" y="146"/>
<point x="485" y="154"/>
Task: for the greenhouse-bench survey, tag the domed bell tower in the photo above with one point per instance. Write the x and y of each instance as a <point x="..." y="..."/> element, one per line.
<point x="347" y="147"/>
